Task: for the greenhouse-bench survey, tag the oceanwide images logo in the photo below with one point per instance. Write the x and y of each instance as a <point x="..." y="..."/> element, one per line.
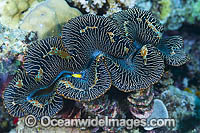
<point x="46" y="121"/>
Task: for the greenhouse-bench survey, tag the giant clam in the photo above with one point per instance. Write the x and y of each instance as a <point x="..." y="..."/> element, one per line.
<point x="20" y="98"/>
<point x="88" y="35"/>
<point x="136" y="72"/>
<point x="125" y="50"/>
<point x="171" y="50"/>
<point x="92" y="83"/>
<point x="143" y="28"/>
<point x="139" y="25"/>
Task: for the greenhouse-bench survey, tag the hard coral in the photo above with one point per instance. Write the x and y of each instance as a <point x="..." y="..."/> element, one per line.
<point x="13" y="11"/>
<point x="51" y="18"/>
<point x="159" y="112"/>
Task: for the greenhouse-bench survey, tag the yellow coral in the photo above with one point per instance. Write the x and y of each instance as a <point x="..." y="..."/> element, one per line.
<point x="165" y="8"/>
<point x="13" y="11"/>
<point x="63" y="11"/>
<point x="188" y="90"/>
<point x="10" y="8"/>
<point x="198" y="93"/>
<point x="47" y="18"/>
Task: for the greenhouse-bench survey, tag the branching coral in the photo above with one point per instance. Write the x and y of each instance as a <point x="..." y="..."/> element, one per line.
<point x="93" y="53"/>
<point x="107" y="6"/>
<point x="89" y="5"/>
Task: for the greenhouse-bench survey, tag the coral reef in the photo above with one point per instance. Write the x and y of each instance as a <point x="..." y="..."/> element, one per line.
<point x="12" y="45"/>
<point x="165" y="10"/>
<point x="113" y="7"/>
<point x="193" y="49"/>
<point x="180" y="104"/>
<point x="178" y="88"/>
<point x="24" y="14"/>
<point x="171" y="13"/>
<point x="89" y="6"/>
<point x="175" y="12"/>
<point x="51" y="17"/>
<point x="126" y="48"/>
<point x="108" y="7"/>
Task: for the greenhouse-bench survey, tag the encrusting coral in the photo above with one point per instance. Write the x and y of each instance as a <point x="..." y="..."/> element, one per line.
<point x="126" y="48"/>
